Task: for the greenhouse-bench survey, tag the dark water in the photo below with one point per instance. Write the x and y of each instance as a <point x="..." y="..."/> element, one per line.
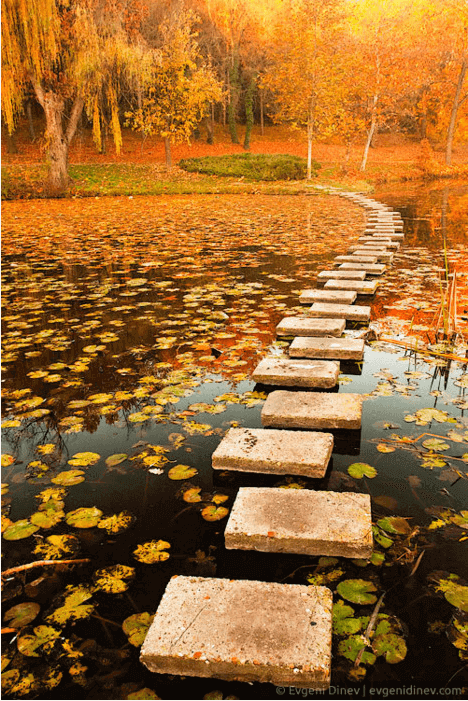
<point x="401" y="487"/>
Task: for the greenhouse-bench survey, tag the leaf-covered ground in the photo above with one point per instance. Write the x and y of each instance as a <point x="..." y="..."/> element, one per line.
<point x="130" y="329"/>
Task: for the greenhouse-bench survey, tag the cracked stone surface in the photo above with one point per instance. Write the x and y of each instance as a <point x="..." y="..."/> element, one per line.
<point x="362" y="288"/>
<point x="353" y="312"/>
<point x="337" y="297"/>
<point x="305" y="326"/>
<point x="336" y="348"/>
<point x="300" y="521"/>
<point x="272" y="451"/>
<point x="242" y="630"/>
<point x="296" y="373"/>
<point x="284" y="409"/>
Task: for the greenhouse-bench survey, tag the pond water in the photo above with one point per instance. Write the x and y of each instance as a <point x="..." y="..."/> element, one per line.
<point x="130" y="330"/>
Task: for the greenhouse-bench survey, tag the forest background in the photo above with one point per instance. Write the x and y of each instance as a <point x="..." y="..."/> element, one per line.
<point x="98" y="94"/>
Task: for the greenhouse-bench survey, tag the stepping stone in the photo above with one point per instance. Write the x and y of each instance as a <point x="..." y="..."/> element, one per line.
<point x="304" y="326"/>
<point x="370" y="268"/>
<point x="270" y="451"/>
<point x="242" y="630"/>
<point x="349" y="275"/>
<point x="356" y="259"/>
<point x="284" y="409"/>
<point x="303" y="522"/>
<point x="293" y="373"/>
<point x="336" y="348"/>
<point x="353" y="312"/>
<point x="338" y="297"/>
<point x="362" y="288"/>
<point x="390" y="234"/>
<point x="380" y="255"/>
<point x="368" y="249"/>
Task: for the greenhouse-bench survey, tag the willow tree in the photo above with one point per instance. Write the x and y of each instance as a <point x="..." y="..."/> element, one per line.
<point x="75" y="55"/>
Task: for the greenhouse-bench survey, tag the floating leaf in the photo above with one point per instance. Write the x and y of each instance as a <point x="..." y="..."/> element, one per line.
<point x="380" y="538"/>
<point x="116" y="459"/>
<point x="55" y="547"/>
<point x="344" y="622"/>
<point x="435" y="444"/>
<point x="182" y="472"/>
<point x="7" y="460"/>
<point x="424" y="416"/>
<point x="151" y="552"/>
<point x="72" y="606"/>
<point x="115" y="579"/>
<point x="84" y="517"/>
<point x="358" y="591"/>
<point x="352" y="646"/>
<point x="361" y="469"/>
<point x="69" y="477"/>
<point x="220" y="498"/>
<point x="21" y="614"/>
<point x="138" y="417"/>
<point x="45" y="449"/>
<point x="84" y="459"/>
<point x="47" y="518"/>
<point x="392" y="647"/>
<point x="41" y="637"/>
<point x="385" y="448"/>
<point x="192" y="495"/>
<point x="136" y="627"/>
<point x="19" y="530"/>
<point x="117" y="523"/>
<point x="455" y="593"/>
<point x="433" y="460"/>
<point x="394" y="524"/>
<point x="143" y="694"/>
<point x="214" y="513"/>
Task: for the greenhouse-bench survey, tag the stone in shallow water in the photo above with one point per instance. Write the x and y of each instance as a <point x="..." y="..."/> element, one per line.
<point x="349" y="275"/>
<point x="295" y="373"/>
<point x="284" y="409"/>
<point x="242" y="630"/>
<point x="336" y="348"/>
<point x="304" y="326"/>
<point x="353" y="312"/>
<point x="381" y="255"/>
<point x="362" y="288"/>
<point x="264" y="450"/>
<point x="336" y="297"/>
<point x="370" y="268"/>
<point x="303" y="522"/>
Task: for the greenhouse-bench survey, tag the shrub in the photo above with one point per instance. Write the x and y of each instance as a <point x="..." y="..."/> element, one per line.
<point x="251" y="166"/>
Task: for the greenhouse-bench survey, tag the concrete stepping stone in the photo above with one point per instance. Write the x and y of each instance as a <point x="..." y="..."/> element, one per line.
<point x="274" y="452"/>
<point x="356" y="259"/>
<point x="303" y="522"/>
<point x="338" y="297"/>
<point x="362" y="288"/>
<point x="348" y="275"/>
<point x="284" y="409"/>
<point x="352" y="312"/>
<point x="305" y="326"/>
<point x="385" y="240"/>
<point x="294" y="373"/>
<point x="394" y="236"/>
<point x="334" y="348"/>
<point x="370" y="249"/>
<point x="381" y="255"/>
<point x="370" y="268"/>
<point x="242" y="630"/>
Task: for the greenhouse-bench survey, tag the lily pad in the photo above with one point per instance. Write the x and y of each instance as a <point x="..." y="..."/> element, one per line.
<point x="454" y="592"/>
<point x="20" y="529"/>
<point x="358" y="591"/>
<point x="117" y="523"/>
<point x="41" y="637"/>
<point x="47" y="518"/>
<point x="390" y="646"/>
<point x="143" y="694"/>
<point x="361" y="469"/>
<point x="380" y="538"/>
<point x="151" y="552"/>
<point x="84" y="459"/>
<point x="115" y="579"/>
<point x="136" y="626"/>
<point x="352" y="646"/>
<point x="55" y="547"/>
<point x="69" y="477"/>
<point x="344" y="621"/>
<point x="21" y="614"/>
<point x="385" y="448"/>
<point x="72" y="606"/>
<point x="435" y="444"/>
<point x="394" y="524"/>
<point x="84" y="517"/>
<point x="214" y="513"/>
<point x="192" y="495"/>
<point x="116" y="459"/>
<point x="182" y="472"/>
<point x="7" y="460"/>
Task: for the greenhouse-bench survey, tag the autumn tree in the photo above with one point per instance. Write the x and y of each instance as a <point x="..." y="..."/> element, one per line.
<point x="179" y="87"/>
<point x="304" y="67"/>
<point x="75" y="54"/>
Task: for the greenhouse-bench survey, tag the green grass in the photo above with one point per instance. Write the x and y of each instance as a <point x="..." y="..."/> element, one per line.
<point x="253" y="167"/>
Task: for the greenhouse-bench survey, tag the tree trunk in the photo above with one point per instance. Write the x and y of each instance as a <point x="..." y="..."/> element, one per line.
<point x="262" y="117"/>
<point x="11" y="143"/>
<point x="32" y="133"/>
<point x="249" y="121"/>
<point x="167" y="149"/>
<point x="453" y="116"/>
<point x="57" y="139"/>
<point x="233" y="100"/>
<point x="370" y="134"/>
<point x="310" y="134"/>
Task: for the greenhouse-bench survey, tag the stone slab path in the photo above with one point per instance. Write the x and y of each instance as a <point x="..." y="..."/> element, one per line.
<point x="353" y="312"/>
<point x="242" y="630"/>
<point x="362" y="288"/>
<point x="356" y="259"/>
<point x="263" y="450"/>
<point x="347" y="274"/>
<point x="368" y="268"/>
<point x="304" y="326"/>
<point x="312" y="410"/>
<point x="330" y="296"/>
<point x="335" y="348"/>
<point x="294" y="373"/>
<point x="305" y="523"/>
